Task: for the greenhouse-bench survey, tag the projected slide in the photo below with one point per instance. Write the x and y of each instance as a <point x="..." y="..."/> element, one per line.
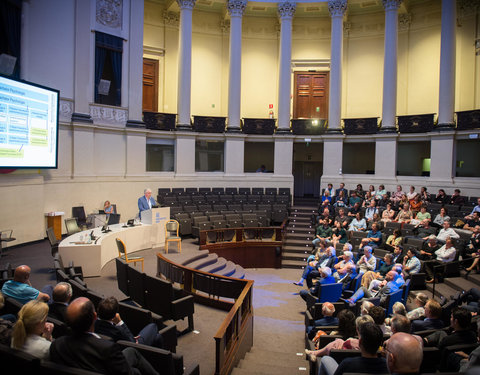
<point x="28" y="125"/>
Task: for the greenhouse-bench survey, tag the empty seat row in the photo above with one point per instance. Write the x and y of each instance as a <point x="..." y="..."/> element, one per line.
<point x="221" y="190"/>
<point x="222" y="199"/>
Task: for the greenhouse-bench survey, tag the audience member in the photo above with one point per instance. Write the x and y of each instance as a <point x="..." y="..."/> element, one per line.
<point x="322" y="233"/>
<point x="467" y="361"/>
<point x="388" y="214"/>
<point x="365" y="307"/>
<point x="472" y="222"/>
<point x="433" y="314"/>
<point x="358" y="223"/>
<point x="422" y="216"/>
<point x="456" y="198"/>
<point x="20" y="287"/>
<point x="415" y="207"/>
<point x="341" y="200"/>
<point x="373" y="239"/>
<point x="370" y="210"/>
<point x="472" y="249"/>
<point x="339" y="234"/>
<point x="367" y="261"/>
<point x="394" y="239"/>
<point x="442" y="197"/>
<point x="444" y="255"/>
<point x="354" y="198"/>
<point x="446" y="232"/>
<point x="404" y="354"/>
<point x="343" y="343"/>
<point x="429" y="248"/>
<point x="341" y="266"/>
<point x="419" y="312"/>
<point x="385" y="267"/>
<point x="397" y="254"/>
<point x="61" y="296"/>
<point x="425" y="230"/>
<point x="425" y="195"/>
<point x="357" y="208"/>
<point x="378" y="315"/>
<point x="370" y="339"/>
<point x="475" y="209"/>
<point x="397" y="195"/>
<point x="31" y="333"/>
<point x="342" y="218"/>
<point x="6" y="325"/>
<point x="325" y="278"/>
<point x="109" y="323"/>
<point x="387" y="286"/>
<point x="460" y="322"/>
<point x="440" y="218"/>
<point x="328" y="309"/>
<point x="404" y="215"/>
<point x="411" y="264"/>
<point x="380" y="192"/>
<point x="411" y="194"/>
<point x="341" y="189"/>
<point x="86" y="350"/>
<point x="359" y="190"/>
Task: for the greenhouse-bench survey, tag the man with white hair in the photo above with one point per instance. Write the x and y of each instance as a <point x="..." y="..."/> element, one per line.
<point x="328" y="309"/>
<point x="390" y="287"/>
<point x="146" y="202"/>
<point x="341" y="267"/>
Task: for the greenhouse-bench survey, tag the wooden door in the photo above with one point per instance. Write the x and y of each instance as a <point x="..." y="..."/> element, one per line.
<point x="311" y="95"/>
<point x="150" y="85"/>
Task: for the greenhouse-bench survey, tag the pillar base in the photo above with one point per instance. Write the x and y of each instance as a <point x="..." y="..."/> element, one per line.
<point x="135" y="124"/>
<point x="334" y="131"/>
<point x="81" y="117"/>
<point x="233" y="129"/>
<point x="283" y="131"/>
<point x="445" y="127"/>
<point x="387" y="129"/>
<point x="184" y="127"/>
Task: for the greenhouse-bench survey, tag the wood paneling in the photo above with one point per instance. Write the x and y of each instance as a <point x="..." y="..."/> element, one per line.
<point x="150" y="85"/>
<point x="311" y="95"/>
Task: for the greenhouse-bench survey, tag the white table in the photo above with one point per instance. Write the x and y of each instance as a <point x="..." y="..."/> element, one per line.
<point x="93" y="256"/>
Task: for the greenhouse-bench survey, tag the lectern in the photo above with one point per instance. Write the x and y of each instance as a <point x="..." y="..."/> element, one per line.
<point x="157" y="218"/>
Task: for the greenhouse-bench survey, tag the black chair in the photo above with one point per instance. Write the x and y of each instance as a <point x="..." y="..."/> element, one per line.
<point x="167" y="362"/>
<point x="53" y="241"/>
<point x="326" y="293"/>
<point x="136" y="281"/>
<point x="79" y="213"/>
<point x="167" y="301"/>
<point x="23" y="363"/>
<point x="122" y="276"/>
<point x="59" y="328"/>
<point x="52" y="368"/>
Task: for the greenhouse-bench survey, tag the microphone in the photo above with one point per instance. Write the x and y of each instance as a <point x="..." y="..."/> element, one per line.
<point x="92" y="236"/>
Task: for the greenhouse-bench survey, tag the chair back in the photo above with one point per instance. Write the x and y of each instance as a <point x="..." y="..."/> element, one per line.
<point x="136" y="281"/>
<point x="79" y="213"/>
<point x="160" y="295"/>
<point x="171" y="228"/>
<point x="122" y="250"/>
<point x="51" y="237"/>
<point x="330" y="292"/>
<point x="122" y="278"/>
<point x="392" y="298"/>
<point x="406" y="290"/>
<point x="72" y="226"/>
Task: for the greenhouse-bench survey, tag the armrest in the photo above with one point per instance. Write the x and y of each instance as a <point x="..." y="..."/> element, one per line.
<point x="182" y="307"/>
<point x="192" y="370"/>
<point x="308" y="318"/>
<point x="161" y="360"/>
<point x="311" y="300"/>
<point x="169" y="334"/>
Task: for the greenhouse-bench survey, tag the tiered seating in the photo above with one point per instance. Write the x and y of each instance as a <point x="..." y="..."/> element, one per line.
<point x="213" y="205"/>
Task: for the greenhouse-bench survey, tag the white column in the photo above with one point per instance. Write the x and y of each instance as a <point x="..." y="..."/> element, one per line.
<point x="234" y="154"/>
<point x="184" y="64"/>
<point x="236" y="9"/>
<point x="185" y="154"/>
<point x="134" y="74"/>
<point x="446" y="105"/>
<point x="386" y="156"/>
<point x="337" y="9"/>
<point x="389" y="108"/>
<point x="285" y="11"/>
<point x="442" y="156"/>
<point x="84" y="47"/>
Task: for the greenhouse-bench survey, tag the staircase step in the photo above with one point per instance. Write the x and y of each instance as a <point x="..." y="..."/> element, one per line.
<point x="459" y="283"/>
<point x="290" y="360"/>
<point x="271" y="369"/>
<point x="299" y="229"/>
<point x="297" y="248"/>
<point x="293" y="264"/>
<point x="295" y="256"/>
<point x="239" y="272"/>
<point x="229" y="269"/>
<point x="442" y="289"/>
<point x="186" y="258"/>
<point x="216" y="267"/>
<point x="474" y="278"/>
<point x="299" y="242"/>
<point x="203" y="262"/>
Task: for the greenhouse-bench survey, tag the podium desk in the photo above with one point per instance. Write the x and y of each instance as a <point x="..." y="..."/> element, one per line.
<point x="93" y="256"/>
<point x="54" y="220"/>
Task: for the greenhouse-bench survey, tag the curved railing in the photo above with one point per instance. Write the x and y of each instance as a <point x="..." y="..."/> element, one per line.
<point x="234" y="337"/>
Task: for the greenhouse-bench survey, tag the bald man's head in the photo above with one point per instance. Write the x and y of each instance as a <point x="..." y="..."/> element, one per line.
<point x="22" y="274"/>
<point x="404" y="353"/>
<point x="81" y="315"/>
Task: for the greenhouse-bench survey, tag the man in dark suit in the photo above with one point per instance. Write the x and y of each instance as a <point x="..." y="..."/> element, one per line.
<point x="109" y="323"/>
<point x="341" y="188"/>
<point x="61" y="296"/>
<point x="433" y="314"/>
<point x="88" y="351"/>
<point x="146" y="202"/>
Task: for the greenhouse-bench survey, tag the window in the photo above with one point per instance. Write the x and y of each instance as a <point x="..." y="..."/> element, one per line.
<point x="257" y="154"/>
<point x="209" y="156"/>
<point x="468" y="162"/>
<point x="413" y="158"/>
<point x="358" y="158"/>
<point x="160" y="155"/>
<point x="108" y="69"/>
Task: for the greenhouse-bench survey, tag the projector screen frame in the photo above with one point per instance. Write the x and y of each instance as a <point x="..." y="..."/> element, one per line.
<point x="57" y="129"/>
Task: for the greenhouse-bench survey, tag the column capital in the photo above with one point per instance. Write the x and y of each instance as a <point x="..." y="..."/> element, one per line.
<point x="286" y="9"/>
<point x="236" y="8"/>
<point x="390" y="4"/>
<point x="186" y="4"/>
<point x="404" y="21"/>
<point x="337" y="8"/>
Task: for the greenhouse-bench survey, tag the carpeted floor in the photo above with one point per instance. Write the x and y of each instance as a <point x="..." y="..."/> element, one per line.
<point x="278" y="320"/>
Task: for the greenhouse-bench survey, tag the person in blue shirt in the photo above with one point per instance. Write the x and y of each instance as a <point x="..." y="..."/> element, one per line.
<point x="146" y="202"/>
<point x="411" y="264"/>
<point x="389" y="286"/>
<point x="373" y="239"/>
<point x="20" y="288"/>
<point x="325" y="278"/>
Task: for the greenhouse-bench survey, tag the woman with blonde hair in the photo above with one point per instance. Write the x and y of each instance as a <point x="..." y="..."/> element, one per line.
<point x="31" y="333"/>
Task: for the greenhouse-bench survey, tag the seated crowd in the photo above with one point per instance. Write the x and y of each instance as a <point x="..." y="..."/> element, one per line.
<point x="391" y="343"/>
<point x="91" y="341"/>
